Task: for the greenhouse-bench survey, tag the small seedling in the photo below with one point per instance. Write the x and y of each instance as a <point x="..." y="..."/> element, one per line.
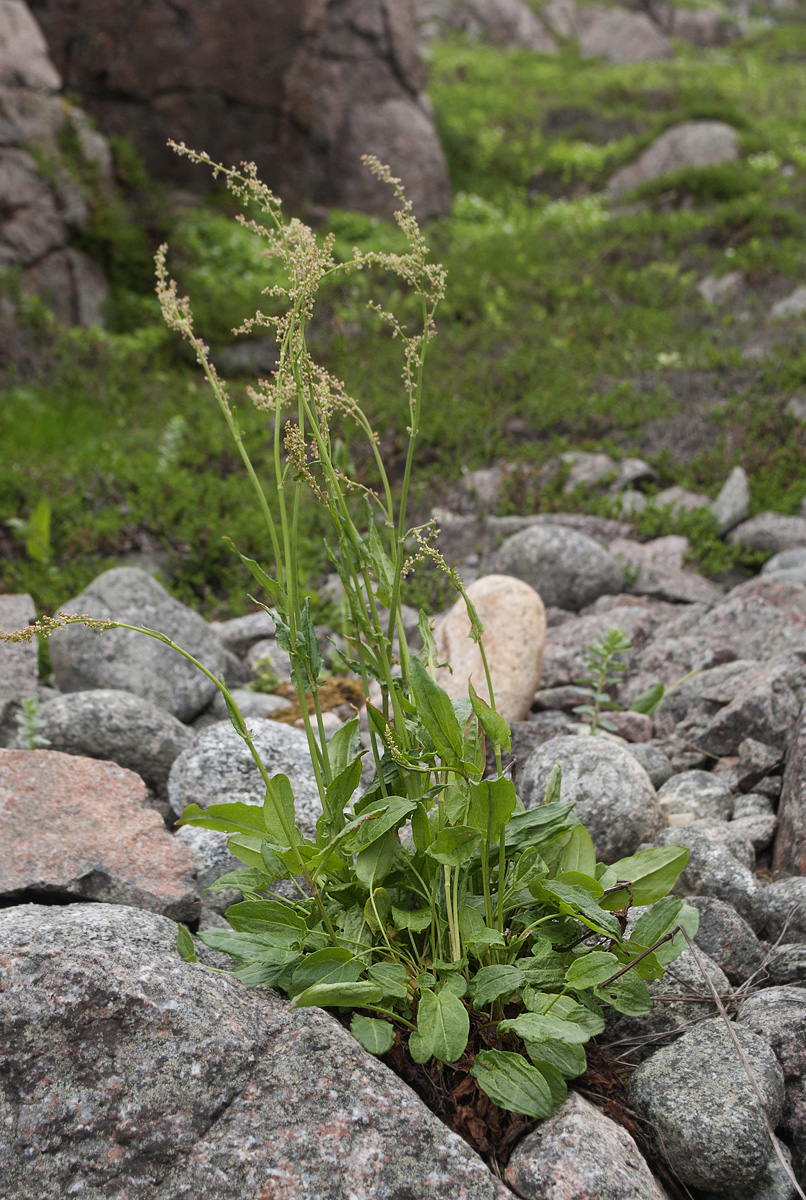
<point x="30" y="724"/>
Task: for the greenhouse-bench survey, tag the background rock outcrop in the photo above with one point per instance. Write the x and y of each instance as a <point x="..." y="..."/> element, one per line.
<point x="302" y="88"/>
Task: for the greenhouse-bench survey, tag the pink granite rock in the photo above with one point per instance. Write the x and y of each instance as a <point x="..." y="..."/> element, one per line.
<point x="78" y="827"/>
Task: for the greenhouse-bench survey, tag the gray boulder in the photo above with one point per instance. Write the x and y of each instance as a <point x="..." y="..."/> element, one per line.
<point x="508" y="23"/>
<point x="120" y="728"/>
<point x="770" y="531"/>
<point x="786" y="560"/>
<point x="713" y="871"/>
<point x="137" y="1074"/>
<point x="690" y="144"/>
<point x="727" y="938"/>
<point x="567" y="568"/>
<point x="714" y="1137"/>
<point x="241" y="633"/>
<point x="787" y="964"/>
<point x="728" y="834"/>
<point x="613" y="794"/>
<point x="132" y="662"/>
<point x="621" y="37"/>
<point x="219" y="768"/>
<point x="654" y="761"/>
<point x="786" y="909"/>
<point x="18" y="661"/>
<point x="733" y="502"/>
<point x="696" y="792"/>
<point x="658" y="570"/>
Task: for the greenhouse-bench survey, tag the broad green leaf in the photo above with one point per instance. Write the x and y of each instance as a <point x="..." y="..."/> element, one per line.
<point x="579" y="854"/>
<point x="234" y="817"/>
<point x="342" y="747"/>
<point x="513" y="1083"/>
<point x="415" y="919"/>
<point x="538" y="1027"/>
<point x="374" y="1035"/>
<point x="421" y="831"/>
<point x="374" y="863"/>
<point x="568" y="1057"/>
<point x="443" y="1024"/>
<point x="591" y="969"/>
<point x="554" y="1078"/>
<point x="651" y="875"/>
<point x="588" y="883"/>
<point x="255" y="974"/>
<point x="474" y="930"/>
<point x="436" y="713"/>
<point x="280" y="795"/>
<point x="354" y="932"/>
<point x="377" y="909"/>
<point x="274" y="865"/>
<point x="660" y="920"/>
<point x="248" y="880"/>
<point x="251" y="947"/>
<point x="454" y="845"/>
<point x="185" y="944"/>
<point x="393" y="978"/>
<point x="576" y="901"/>
<point x="418" y="1049"/>
<point x="366" y="828"/>
<point x="37" y="543"/>
<point x="628" y="994"/>
<point x="270" y="918"/>
<point x="551" y="792"/>
<point x="567" y="1008"/>
<point x="339" y="792"/>
<point x="347" y="995"/>
<point x="492" y="803"/>
<point x="332" y="965"/>
<point x="428" y="655"/>
<point x="456" y="984"/>
<point x="649" y="700"/>
<point x="538" y="827"/>
<point x="493" y="725"/>
<point x="491" y="983"/>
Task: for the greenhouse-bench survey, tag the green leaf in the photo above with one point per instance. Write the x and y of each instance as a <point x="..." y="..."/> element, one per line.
<point x="342" y="747"/>
<point x="37" y="543"/>
<point x="255" y="974"/>
<point x="421" y="831"/>
<point x="415" y="919"/>
<point x="454" y="845"/>
<point x="538" y="1027"/>
<point x="339" y="792"/>
<point x="554" y="1078"/>
<point x="428" y="654"/>
<point x="474" y="930"/>
<point x="651" y="874"/>
<point x="185" y="944"/>
<point x="234" y="817"/>
<point x="275" y="921"/>
<point x="628" y="994"/>
<point x="551" y="792"/>
<point x="355" y="934"/>
<point x="579" y="854"/>
<point x="491" y="983"/>
<point x="309" y="654"/>
<point x="649" y="700"/>
<point x="444" y="1024"/>
<point x="346" y="995"/>
<point x="374" y="864"/>
<point x="417" y="1048"/>
<point x="567" y="1057"/>
<point x="393" y="978"/>
<point x="567" y="1009"/>
<point x="250" y="947"/>
<point x="436" y="713"/>
<point x="284" y="796"/>
<point x="371" y="824"/>
<point x="491" y="722"/>
<point x="378" y="909"/>
<point x="513" y="1083"/>
<point x="375" y="1036"/>
<point x="248" y="880"/>
<point x="661" y="919"/>
<point x="492" y="803"/>
<point x="278" y="596"/>
<point x="332" y="965"/>
<point x="591" y="969"/>
<point x="578" y="902"/>
<point x="235" y="717"/>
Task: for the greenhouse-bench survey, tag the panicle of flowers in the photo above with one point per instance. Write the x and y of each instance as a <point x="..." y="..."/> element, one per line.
<point x="45" y="626"/>
<point x="297" y="449"/>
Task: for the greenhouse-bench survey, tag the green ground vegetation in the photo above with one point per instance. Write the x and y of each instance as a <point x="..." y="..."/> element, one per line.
<point x="572" y="321"/>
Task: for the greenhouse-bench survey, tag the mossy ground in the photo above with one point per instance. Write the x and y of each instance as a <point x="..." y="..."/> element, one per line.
<point x="571" y="321"/>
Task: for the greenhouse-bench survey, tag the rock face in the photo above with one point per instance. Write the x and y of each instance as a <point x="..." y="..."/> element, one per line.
<point x="132" y="662"/>
<point x="80" y="828"/>
<point x="614" y="797"/>
<point x="579" y="1153"/>
<point x="690" y="144"/>
<point x="567" y="568"/>
<point x="137" y="1074"/>
<point x="713" y="1137"/>
<point x="18" y="661"/>
<point x="40" y="213"/>
<point x="790" y="844"/>
<point x="119" y="727"/>
<point x="301" y="87"/>
<point x="514" y="622"/>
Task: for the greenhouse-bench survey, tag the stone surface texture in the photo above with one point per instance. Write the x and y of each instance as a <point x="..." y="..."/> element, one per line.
<point x="726" y="938"/>
<point x="786" y="909"/>
<point x="713" y="871"/>
<point x="659" y="571"/>
<point x="732" y="504"/>
<point x="790" y="843"/>
<point x="514" y="620"/>
<point x="566" y="567"/>
<point x="580" y="1154"/>
<point x="129" y="661"/>
<point x="622" y="37"/>
<point x="697" y="792"/>
<point x="77" y="828"/>
<point x="18" y="660"/>
<point x="690" y="144"/>
<point x="508" y="23"/>
<point x="301" y="87"/>
<point x="770" y="531"/>
<point x="614" y="797"/>
<point x="119" y="727"/>
<point x="713" y="1137"/>
<point x="138" y="1075"/>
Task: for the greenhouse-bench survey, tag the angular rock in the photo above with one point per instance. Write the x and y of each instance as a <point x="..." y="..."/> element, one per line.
<point x="18" y="660"/>
<point x="132" y="662"/>
<point x="733" y="502"/>
<point x="218" y="768"/>
<point x="614" y="797"/>
<point x="514" y="622"/>
<point x="632" y="726"/>
<point x="74" y="827"/>
<point x="790" y="844"/>
<point x="751" y="804"/>
<point x="120" y="728"/>
<point x="690" y="144"/>
<point x="757" y="620"/>
<point x="603" y="472"/>
<point x="138" y="1074"/>
<point x="786" y="560"/>
<point x="567" y="568"/>
<point x="658" y="570"/>
<point x="786" y="909"/>
<point x="713" y="871"/>
<point x="764" y="706"/>
<point x="793" y="305"/>
<point x="727" y="939"/>
<point x="771" y="532"/>
<point x="697" y="792"/>
<point x="654" y="761"/>
<point x="580" y="1153"/>
<point x="787" y="964"/>
<point x="622" y="37"/>
<point x="724" y="833"/>
<point x="566" y="644"/>
<point x="713" y="1137"/>
<point x="72" y="285"/>
<point x="778" y="1015"/>
<point x="756" y="759"/>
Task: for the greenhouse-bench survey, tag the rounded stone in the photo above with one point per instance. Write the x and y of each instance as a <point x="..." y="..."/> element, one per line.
<point x="568" y="568"/>
<point x="514" y="620"/>
<point x="786" y="909"/>
<point x="654" y="761"/>
<point x="698" y="792"/>
<point x="614" y="797"/>
<point x="713" y="871"/>
<point x="727" y="938"/>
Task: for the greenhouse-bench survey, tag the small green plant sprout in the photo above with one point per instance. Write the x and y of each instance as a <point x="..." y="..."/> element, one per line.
<point x="432" y="911"/>
<point x="35" y="531"/>
<point x="30" y="725"/>
<point x="603" y="663"/>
